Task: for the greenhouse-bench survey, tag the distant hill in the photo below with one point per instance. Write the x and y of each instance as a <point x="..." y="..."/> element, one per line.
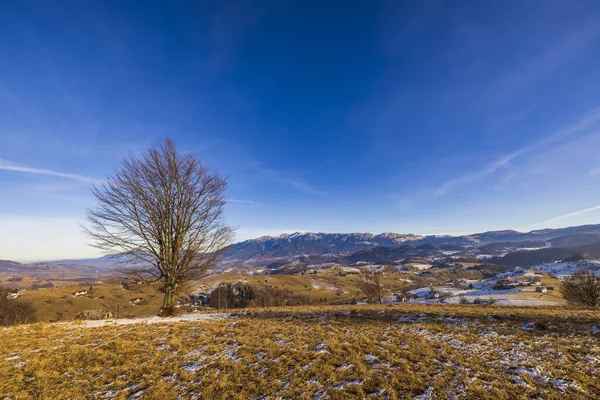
<point x="575" y="240"/>
<point x="44" y="270"/>
<point x="299" y="243"/>
<point x="314" y="243"/>
<point x="391" y="254"/>
<point x="105" y="263"/>
<point x="551" y="254"/>
<point x="503" y="247"/>
<point x="274" y="254"/>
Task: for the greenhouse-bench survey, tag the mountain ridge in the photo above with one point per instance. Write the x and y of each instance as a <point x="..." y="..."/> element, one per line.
<point x="312" y="248"/>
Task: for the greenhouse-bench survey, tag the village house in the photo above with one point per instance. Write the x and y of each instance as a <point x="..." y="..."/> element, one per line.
<point x="504" y="284"/>
<point x="405" y="297"/>
<point x="541" y="289"/>
<point x="137" y="301"/>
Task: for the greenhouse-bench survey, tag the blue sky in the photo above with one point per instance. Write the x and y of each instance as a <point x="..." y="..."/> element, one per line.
<point x="422" y="116"/>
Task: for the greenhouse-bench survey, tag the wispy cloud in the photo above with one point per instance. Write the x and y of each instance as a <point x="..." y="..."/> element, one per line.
<point x="566" y="216"/>
<point x="476" y="175"/>
<point x="7" y="165"/>
<point x="284" y="179"/>
<point x="502" y="162"/>
<point x="243" y="203"/>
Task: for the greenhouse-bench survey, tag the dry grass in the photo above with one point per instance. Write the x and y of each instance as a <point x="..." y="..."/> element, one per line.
<point x="59" y="304"/>
<point x="431" y="351"/>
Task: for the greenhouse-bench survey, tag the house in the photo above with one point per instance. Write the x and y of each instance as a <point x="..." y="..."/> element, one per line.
<point x="137" y="301"/>
<point x="504" y="284"/>
<point x="550" y="287"/>
<point x="401" y="298"/>
<point x="541" y="289"/>
<point x="406" y="297"/>
<point x="200" y="299"/>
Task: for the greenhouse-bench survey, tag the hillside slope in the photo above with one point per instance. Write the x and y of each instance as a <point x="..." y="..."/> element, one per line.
<point x="409" y="351"/>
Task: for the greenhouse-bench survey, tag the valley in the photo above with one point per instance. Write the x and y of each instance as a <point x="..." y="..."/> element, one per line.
<point x="504" y="268"/>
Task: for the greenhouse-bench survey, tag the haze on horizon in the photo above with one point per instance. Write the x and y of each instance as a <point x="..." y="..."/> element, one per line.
<point x="410" y="117"/>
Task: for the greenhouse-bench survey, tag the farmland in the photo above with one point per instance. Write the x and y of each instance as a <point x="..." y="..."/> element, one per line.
<point x="332" y="286"/>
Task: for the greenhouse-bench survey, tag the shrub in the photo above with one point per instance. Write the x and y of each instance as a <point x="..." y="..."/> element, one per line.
<point x="582" y="288"/>
<point x="14" y="311"/>
<point x="240" y="295"/>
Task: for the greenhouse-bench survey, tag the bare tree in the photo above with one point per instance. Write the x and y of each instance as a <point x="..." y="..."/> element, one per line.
<point x="116" y="304"/>
<point x="582" y="288"/>
<point x="371" y="286"/>
<point x="164" y="213"/>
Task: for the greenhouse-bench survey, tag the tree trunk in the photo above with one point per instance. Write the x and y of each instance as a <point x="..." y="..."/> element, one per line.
<point x="168" y="306"/>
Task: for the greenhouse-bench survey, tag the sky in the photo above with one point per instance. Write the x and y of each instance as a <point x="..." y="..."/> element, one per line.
<point x="424" y="117"/>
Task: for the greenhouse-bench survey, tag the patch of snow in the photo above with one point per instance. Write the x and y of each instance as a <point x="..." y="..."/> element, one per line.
<point x="562" y="384"/>
<point x="535" y="372"/>
<point x="427" y="395"/>
<point x="148" y="320"/>
<point x="528" y="326"/>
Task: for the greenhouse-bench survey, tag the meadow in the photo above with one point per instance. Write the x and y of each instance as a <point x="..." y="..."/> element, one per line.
<point x="59" y="303"/>
<point x="421" y="351"/>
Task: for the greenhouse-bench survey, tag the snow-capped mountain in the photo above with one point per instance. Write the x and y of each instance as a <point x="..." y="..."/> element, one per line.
<point x="308" y="243"/>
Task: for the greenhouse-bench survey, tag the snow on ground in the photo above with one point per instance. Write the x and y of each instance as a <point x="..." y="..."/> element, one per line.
<point x="373" y="267"/>
<point x="318" y="284"/>
<point x="421" y="266"/>
<point x="424" y="291"/>
<point x="149" y="320"/>
<point x="505" y="298"/>
<point x="350" y="269"/>
<point x="569" y="268"/>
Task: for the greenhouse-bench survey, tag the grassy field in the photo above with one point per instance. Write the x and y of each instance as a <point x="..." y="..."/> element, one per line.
<point x="338" y="289"/>
<point x="326" y="287"/>
<point x="329" y="352"/>
<point x="59" y="303"/>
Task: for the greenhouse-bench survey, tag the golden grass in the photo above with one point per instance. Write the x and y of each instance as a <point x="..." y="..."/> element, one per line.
<point x="59" y="304"/>
<point x="342" y="352"/>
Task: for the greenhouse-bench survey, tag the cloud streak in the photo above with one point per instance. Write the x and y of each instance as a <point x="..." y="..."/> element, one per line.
<point x="569" y="215"/>
<point x="242" y="203"/>
<point x="490" y="169"/>
<point x="7" y="165"/>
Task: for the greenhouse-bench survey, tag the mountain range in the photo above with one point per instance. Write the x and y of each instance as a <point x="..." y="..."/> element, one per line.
<point x="302" y="250"/>
<point x="308" y="243"/>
